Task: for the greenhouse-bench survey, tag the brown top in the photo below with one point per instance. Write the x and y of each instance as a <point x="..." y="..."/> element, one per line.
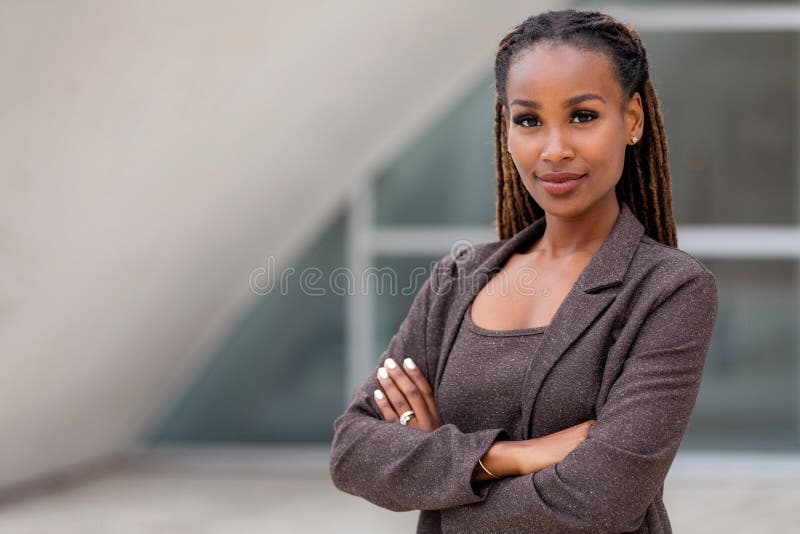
<point x="626" y="347"/>
<point x="481" y="383"/>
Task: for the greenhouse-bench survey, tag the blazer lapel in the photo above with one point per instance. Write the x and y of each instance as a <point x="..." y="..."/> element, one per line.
<point x="584" y="302"/>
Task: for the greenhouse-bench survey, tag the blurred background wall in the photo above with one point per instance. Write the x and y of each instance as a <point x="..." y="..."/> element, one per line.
<point x="163" y="163"/>
<point x="154" y="154"/>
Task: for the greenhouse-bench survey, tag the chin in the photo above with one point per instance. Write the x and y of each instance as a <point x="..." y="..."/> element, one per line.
<point x="565" y="209"/>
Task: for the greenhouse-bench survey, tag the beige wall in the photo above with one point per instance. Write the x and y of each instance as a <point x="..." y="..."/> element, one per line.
<point x="152" y="154"/>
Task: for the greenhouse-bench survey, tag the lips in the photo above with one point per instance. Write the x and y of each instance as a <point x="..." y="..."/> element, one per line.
<point x="561" y="184"/>
<point x="559" y="177"/>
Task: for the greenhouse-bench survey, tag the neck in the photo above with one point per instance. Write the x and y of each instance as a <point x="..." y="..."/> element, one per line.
<point x="585" y="232"/>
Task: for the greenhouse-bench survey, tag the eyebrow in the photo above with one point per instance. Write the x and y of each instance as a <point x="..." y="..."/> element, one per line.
<point x="567" y="103"/>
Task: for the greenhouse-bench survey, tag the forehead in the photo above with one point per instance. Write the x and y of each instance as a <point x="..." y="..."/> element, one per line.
<point x="550" y="73"/>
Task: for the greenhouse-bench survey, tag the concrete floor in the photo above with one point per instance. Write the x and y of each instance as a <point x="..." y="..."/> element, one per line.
<point x="260" y="491"/>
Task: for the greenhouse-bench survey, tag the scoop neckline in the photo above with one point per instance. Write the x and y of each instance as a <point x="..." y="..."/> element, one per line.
<point x="501" y="333"/>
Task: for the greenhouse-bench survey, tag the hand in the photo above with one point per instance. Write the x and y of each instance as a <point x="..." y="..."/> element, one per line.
<point x="538" y="453"/>
<point x="407" y="389"/>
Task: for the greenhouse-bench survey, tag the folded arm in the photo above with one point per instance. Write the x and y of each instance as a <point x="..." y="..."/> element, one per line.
<point x="608" y="481"/>
<point x="399" y="467"/>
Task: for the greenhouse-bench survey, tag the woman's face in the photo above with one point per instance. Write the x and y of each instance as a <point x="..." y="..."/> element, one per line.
<point x="566" y="115"/>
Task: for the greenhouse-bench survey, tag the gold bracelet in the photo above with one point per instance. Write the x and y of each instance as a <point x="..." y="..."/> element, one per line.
<point x="487" y="471"/>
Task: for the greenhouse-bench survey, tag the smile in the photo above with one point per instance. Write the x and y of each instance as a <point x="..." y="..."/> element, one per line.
<point x="563" y="187"/>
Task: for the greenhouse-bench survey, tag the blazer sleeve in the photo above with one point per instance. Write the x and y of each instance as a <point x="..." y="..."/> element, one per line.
<point x="398" y="467"/>
<point x="608" y="481"/>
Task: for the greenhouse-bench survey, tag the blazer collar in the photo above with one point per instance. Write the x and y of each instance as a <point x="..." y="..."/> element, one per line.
<point x="606" y="268"/>
<point x="582" y="305"/>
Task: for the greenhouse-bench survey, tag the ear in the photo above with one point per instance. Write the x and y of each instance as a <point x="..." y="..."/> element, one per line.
<point x="634" y="116"/>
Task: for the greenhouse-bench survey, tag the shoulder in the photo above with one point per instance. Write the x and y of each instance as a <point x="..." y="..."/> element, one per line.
<point x="669" y="256"/>
<point x="652" y="254"/>
<point x="658" y="270"/>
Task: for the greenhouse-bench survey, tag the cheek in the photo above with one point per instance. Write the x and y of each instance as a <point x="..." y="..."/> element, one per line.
<point x="603" y="154"/>
<point x="597" y="144"/>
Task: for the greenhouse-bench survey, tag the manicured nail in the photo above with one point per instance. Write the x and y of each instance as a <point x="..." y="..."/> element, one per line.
<point x="409" y="363"/>
<point x="383" y="373"/>
<point x="378" y="394"/>
<point x="390" y="363"/>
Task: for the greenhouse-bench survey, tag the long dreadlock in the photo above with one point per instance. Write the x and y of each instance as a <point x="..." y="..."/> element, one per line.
<point x="645" y="181"/>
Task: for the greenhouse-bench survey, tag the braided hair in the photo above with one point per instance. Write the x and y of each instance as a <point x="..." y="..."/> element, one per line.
<point x="645" y="181"/>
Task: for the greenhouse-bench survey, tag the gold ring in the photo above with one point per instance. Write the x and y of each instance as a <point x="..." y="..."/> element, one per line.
<point x="406" y="417"/>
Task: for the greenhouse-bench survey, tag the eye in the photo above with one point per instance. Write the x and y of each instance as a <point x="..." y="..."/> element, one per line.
<point x="584" y="113"/>
<point x="528" y="121"/>
<point x="524" y="120"/>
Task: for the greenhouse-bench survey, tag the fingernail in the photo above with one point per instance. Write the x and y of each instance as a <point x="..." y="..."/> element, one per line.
<point x="383" y="373"/>
<point x="390" y="363"/>
<point x="409" y="363"/>
<point x="378" y="394"/>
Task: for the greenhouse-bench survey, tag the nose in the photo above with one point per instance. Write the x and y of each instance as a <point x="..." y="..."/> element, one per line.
<point x="557" y="148"/>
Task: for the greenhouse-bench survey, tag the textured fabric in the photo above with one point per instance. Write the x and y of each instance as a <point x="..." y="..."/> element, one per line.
<point x="626" y="347"/>
<point x="486" y="361"/>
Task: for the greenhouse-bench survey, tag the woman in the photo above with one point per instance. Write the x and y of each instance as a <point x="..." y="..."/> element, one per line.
<point x="547" y="378"/>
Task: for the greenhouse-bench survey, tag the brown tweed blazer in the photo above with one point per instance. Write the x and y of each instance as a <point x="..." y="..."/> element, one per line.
<point x="626" y="347"/>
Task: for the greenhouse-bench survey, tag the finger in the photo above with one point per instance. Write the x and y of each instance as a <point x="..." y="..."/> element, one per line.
<point x="401" y="391"/>
<point x="412" y="394"/>
<point x="386" y="409"/>
<point x="423" y="386"/>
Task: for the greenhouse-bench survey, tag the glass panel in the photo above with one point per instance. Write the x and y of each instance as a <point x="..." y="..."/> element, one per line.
<point x="749" y="395"/>
<point x="729" y="102"/>
<point x="279" y="375"/>
<point x="447" y="175"/>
